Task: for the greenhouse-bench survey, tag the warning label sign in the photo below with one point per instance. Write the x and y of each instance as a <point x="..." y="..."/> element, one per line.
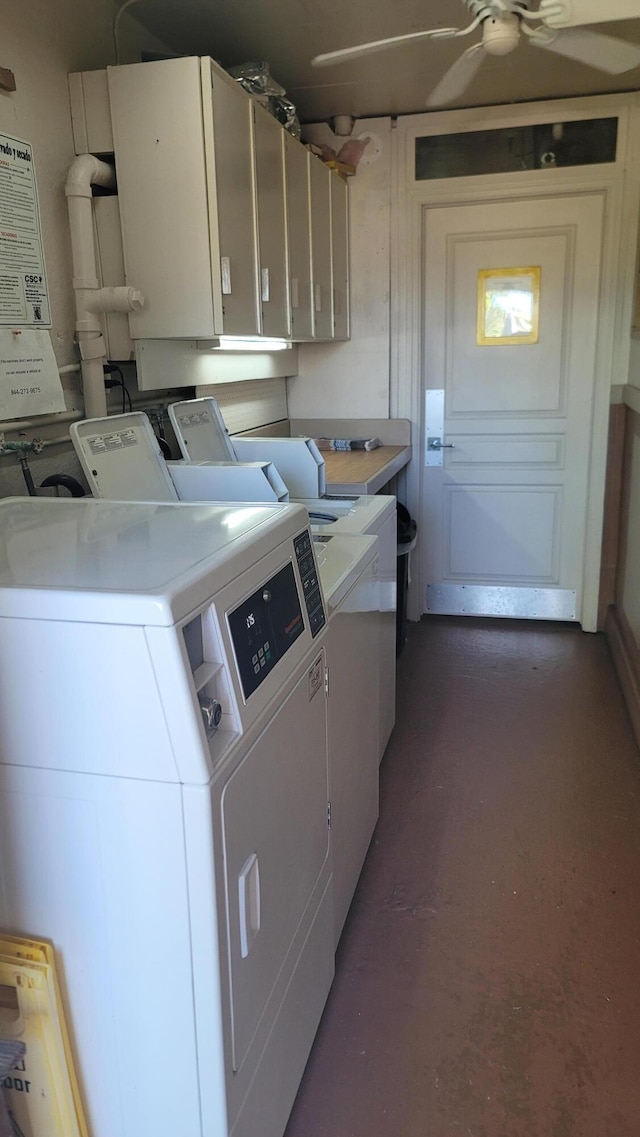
<point x="24" y="297"/>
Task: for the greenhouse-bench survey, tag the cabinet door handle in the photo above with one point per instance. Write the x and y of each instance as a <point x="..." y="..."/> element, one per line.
<point x="265" y="284"/>
<point x="295" y="292"/>
<point x="318" y="295"/>
<point x="225" y="274"/>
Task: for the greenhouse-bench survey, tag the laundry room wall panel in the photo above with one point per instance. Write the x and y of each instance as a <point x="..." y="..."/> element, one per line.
<point x="620" y="601"/>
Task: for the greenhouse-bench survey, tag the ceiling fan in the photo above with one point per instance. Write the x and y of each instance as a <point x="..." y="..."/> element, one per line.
<point x="560" y="30"/>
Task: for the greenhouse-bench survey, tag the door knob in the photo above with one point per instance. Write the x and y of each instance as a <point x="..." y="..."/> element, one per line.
<point x="437" y="444"/>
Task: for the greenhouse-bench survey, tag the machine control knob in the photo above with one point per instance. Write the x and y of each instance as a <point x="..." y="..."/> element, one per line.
<point x="211" y="713"/>
<point x="266" y="596"/>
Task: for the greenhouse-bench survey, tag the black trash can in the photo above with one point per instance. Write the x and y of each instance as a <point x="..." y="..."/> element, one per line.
<point x="407" y="536"/>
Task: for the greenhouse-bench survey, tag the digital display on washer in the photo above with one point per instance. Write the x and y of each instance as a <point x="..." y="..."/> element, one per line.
<point x="264" y="627"/>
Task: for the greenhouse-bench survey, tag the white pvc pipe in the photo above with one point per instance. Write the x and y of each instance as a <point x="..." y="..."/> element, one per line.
<point x="343" y="125"/>
<point x="86" y="171"/>
<point x="61" y="440"/>
<point x="115" y="299"/>
<point x="36" y="424"/>
<point x="95" y="395"/>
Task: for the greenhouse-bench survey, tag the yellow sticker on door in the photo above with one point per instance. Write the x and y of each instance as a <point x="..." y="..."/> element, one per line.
<point x="508" y="306"/>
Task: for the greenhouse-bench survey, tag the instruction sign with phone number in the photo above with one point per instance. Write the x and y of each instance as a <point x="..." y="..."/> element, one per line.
<point x="24" y="297"/>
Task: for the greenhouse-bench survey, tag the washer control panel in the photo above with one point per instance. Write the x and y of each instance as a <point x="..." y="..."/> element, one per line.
<point x="310" y="582"/>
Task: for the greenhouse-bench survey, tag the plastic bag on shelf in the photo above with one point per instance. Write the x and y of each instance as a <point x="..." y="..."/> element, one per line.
<point x="256" y="78"/>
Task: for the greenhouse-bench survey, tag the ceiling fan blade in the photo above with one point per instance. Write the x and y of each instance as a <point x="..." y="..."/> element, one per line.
<point x="605" y="53"/>
<point x="345" y="53"/>
<point x="458" y="77"/>
<point x="573" y="13"/>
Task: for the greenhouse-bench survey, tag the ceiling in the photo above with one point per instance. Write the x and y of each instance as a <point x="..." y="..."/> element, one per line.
<point x="287" y="33"/>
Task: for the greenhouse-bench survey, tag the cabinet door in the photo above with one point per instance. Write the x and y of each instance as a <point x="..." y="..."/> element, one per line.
<point x="320" y="187"/>
<point x="297" y="160"/>
<point x="163" y="192"/>
<point x="340" y="257"/>
<point x="231" y="180"/>
<point x="272" y="236"/>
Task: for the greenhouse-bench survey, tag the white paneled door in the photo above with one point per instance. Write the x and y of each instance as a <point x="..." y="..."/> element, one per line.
<point x="508" y="422"/>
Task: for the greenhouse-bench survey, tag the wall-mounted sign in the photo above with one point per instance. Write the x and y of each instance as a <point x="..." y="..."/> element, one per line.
<point x="29" y="378"/>
<point x="24" y="298"/>
<point x="508" y="306"/>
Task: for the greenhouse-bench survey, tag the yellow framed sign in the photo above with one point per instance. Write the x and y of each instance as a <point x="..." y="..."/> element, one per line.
<point x="508" y="306"/>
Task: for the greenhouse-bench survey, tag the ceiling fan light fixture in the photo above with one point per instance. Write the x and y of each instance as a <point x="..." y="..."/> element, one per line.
<point x="500" y="35"/>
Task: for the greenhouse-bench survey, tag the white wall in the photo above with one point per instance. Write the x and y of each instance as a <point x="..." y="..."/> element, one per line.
<point x="351" y="380"/>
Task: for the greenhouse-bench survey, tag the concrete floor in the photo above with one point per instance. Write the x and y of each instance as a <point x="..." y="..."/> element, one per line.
<point x="488" y="978"/>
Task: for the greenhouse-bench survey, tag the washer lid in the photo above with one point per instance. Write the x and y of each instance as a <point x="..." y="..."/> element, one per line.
<point x="200" y="431"/>
<point x="341" y="560"/>
<point x="131" y="563"/>
<point x="121" y="458"/>
<point x="362" y="514"/>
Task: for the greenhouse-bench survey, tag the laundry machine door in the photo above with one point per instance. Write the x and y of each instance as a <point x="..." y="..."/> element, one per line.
<point x="276" y="846"/>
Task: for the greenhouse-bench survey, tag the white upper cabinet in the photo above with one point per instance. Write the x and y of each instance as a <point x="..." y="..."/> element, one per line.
<point x="229" y="225"/>
<point x="184" y="163"/>
<point x="272" y="229"/>
<point x="340" y="257"/>
<point x="320" y="189"/>
<point x="297" y="160"/>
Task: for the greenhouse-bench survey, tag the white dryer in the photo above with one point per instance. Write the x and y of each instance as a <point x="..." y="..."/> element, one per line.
<point x="163" y="800"/>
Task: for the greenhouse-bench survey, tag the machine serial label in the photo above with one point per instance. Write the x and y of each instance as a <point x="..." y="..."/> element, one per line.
<point x="102" y="443"/>
<point x="315" y="678"/>
<point x="194" y="419"/>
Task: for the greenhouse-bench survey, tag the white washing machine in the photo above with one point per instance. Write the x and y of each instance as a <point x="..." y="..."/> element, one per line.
<point x="163" y="800"/>
<point x="371" y="516"/>
<point x="202" y="436"/>
<point x="349" y="569"/>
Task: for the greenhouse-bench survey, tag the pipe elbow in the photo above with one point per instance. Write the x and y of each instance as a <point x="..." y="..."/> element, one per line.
<point x="116" y="298"/>
<point x="87" y="170"/>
